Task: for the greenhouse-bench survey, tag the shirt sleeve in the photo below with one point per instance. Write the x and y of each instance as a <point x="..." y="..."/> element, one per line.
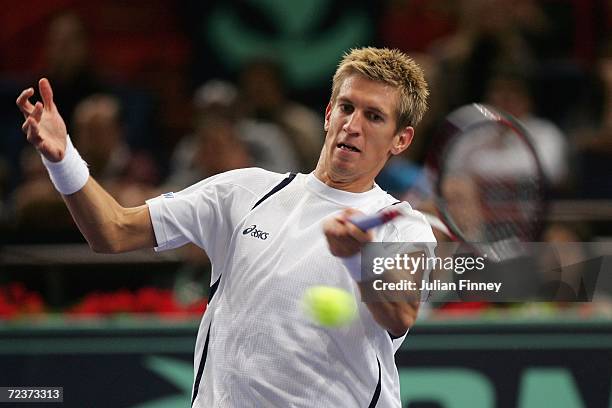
<point x="203" y="214"/>
<point x="411" y="227"/>
<point x="193" y="215"/>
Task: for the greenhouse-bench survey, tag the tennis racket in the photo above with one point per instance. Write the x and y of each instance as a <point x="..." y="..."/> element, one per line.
<point x="482" y="183"/>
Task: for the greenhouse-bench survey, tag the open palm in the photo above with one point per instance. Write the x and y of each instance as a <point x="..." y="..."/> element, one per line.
<point x="43" y="125"/>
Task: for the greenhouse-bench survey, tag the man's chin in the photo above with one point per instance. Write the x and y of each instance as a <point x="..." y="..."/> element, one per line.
<point x="342" y="167"/>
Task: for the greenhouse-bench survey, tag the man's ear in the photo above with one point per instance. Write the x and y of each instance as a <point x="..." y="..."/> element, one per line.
<point x="327" y="116"/>
<point x="402" y="140"/>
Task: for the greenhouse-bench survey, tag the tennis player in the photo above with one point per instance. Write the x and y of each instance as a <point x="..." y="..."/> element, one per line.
<point x="270" y="237"/>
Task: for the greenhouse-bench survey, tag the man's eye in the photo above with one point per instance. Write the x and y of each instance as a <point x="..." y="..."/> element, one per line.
<point x="375" y="117"/>
<point x="346" y="108"/>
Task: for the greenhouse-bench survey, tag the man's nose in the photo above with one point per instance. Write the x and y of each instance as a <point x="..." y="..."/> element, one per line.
<point x="353" y="123"/>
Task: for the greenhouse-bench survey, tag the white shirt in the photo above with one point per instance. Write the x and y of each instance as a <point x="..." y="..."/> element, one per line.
<point x="262" y="350"/>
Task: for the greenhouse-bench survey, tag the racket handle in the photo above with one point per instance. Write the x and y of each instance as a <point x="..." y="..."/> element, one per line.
<point x="366" y="222"/>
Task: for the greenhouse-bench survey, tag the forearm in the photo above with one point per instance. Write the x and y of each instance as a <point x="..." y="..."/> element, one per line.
<point x="395" y="311"/>
<point x="107" y="226"/>
<point x="394" y="315"/>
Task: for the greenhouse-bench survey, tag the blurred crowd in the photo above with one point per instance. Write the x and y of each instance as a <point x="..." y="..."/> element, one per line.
<point x="155" y="126"/>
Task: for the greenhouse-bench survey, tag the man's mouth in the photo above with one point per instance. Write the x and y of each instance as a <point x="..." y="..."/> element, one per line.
<point x="345" y="146"/>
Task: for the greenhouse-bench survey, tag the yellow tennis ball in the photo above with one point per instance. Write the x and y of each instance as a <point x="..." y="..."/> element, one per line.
<point x="329" y="306"/>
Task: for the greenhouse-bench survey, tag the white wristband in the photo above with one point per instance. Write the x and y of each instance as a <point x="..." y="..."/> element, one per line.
<point x="70" y="174"/>
<point x="353" y="266"/>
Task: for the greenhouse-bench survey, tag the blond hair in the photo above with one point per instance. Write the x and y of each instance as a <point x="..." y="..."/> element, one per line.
<point x="391" y="67"/>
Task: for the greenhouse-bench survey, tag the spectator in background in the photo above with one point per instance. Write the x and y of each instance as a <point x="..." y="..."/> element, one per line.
<point x="98" y="133"/>
<point x="414" y="25"/>
<point x="264" y="101"/>
<point x="70" y="64"/>
<point x="68" y="61"/>
<point x="490" y="34"/>
<point x="215" y="148"/>
<point x="594" y="141"/>
<point x="510" y="92"/>
<point x="213" y="99"/>
<point x="254" y="143"/>
<point x="35" y="204"/>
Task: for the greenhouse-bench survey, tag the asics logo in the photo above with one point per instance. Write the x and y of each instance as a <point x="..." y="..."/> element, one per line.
<point x="263" y="235"/>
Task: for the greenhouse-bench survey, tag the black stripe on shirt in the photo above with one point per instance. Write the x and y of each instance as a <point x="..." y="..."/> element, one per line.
<point x="196" y="384"/>
<point x="276" y="189"/>
<point x="198" y="379"/>
<point x="376" y="395"/>
<point x="213" y="290"/>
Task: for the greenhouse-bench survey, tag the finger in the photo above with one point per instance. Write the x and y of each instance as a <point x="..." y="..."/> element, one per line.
<point x="29" y="125"/>
<point x="33" y="118"/>
<point x="32" y="131"/>
<point x="24" y="104"/>
<point x="335" y="228"/>
<point x="343" y="247"/>
<point x="44" y="87"/>
<point x="341" y="227"/>
<point x="358" y="234"/>
<point x="37" y="112"/>
<point x="340" y="242"/>
<point x="26" y="125"/>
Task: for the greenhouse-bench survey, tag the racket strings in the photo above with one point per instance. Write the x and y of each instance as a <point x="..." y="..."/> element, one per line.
<point x="511" y="209"/>
<point x="490" y="185"/>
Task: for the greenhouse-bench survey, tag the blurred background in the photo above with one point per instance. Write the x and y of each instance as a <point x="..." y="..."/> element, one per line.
<point x="158" y="95"/>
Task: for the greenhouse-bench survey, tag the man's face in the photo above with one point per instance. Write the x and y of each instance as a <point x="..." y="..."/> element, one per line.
<point x="361" y="128"/>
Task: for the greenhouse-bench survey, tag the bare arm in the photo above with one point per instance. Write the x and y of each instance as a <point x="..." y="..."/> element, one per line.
<point x="107" y="226"/>
<point x="345" y="240"/>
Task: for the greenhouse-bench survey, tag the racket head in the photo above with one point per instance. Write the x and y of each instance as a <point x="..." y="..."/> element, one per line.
<point x="486" y="177"/>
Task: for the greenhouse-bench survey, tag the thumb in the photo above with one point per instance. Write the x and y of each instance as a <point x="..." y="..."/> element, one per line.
<point x="46" y="92"/>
